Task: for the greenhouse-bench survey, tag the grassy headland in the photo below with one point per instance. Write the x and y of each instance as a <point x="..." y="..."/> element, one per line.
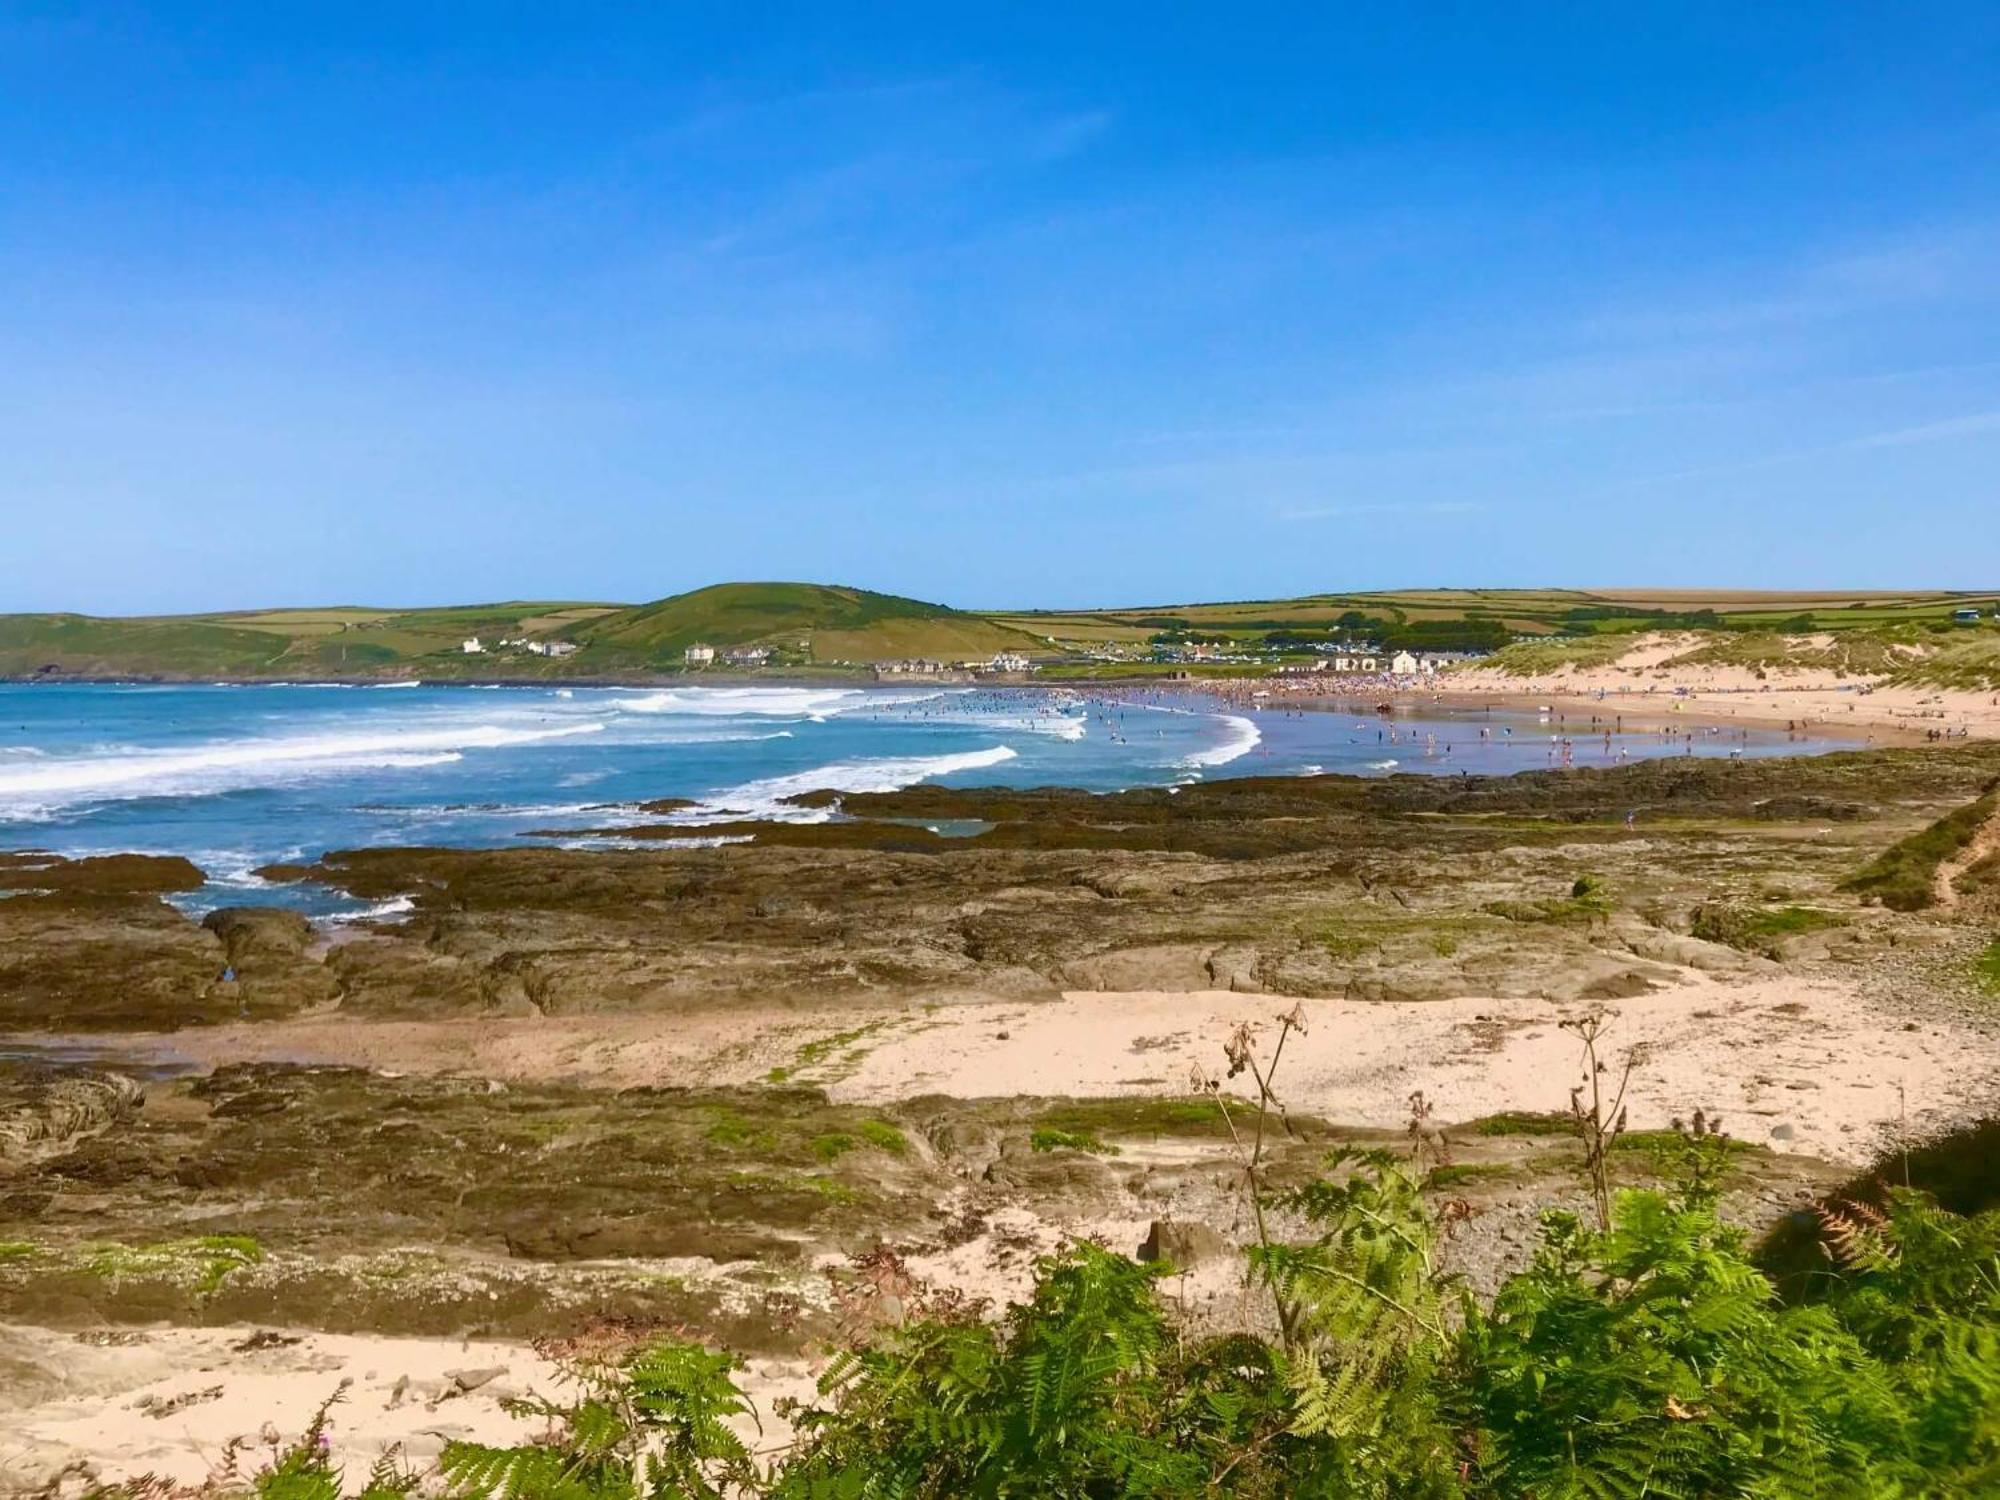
<point x="812" y="629"/>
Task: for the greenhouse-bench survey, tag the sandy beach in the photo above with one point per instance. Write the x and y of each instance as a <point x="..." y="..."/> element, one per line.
<point x="1876" y="715"/>
<point x="1646" y="682"/>
<point x="1802" y="1064"/>
<point x="1647" y="688"/>
<point x="179" y="1402"/>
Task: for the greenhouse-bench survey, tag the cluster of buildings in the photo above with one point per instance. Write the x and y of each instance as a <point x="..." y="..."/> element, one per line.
<point x="473" y="646"/>
<point x="701" y="655"/>
<point x="1376" y="663"/>
<point x="1360" y="661"/>
<point x="1209" y="651"/>
<point x="1003" y="662"/>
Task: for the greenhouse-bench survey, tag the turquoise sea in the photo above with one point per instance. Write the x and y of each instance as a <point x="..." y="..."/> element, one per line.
<point x="234" y="777"/>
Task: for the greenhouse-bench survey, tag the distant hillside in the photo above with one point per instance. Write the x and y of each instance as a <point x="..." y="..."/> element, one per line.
<point x="808" y="623"/>
<point x="819" y="628"/>
<point x="279" y="643"/>
<point x="808" y="626"/>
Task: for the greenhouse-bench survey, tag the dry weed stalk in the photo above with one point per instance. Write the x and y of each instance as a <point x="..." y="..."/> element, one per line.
<point x="1603" y="1121"/>
<point x="1241" y="1052"/>
<point x="1428" y="1145"/>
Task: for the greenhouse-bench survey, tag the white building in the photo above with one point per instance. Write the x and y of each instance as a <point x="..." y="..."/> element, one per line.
<point x="913" y="667"/>
<point x="747" y="656"/>
<point x="552" y="648"/>
<point x="472" y="646"/>
<point x="1011" y="661"/>
<point x="1402" y="664"/>
<point x="699" y="655"/>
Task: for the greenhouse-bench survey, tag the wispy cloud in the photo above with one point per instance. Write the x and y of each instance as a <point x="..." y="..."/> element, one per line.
<point x="1067" y="136"/>
<point x="1342" y="512"/>
<point x="1901" y="437"/>
<point x="740" y="114"/>
<point x="1918" y="268"/>
<point x="1931" y="432"/>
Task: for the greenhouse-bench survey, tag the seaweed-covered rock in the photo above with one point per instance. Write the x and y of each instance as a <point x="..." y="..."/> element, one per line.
<point x="105" y="962"/>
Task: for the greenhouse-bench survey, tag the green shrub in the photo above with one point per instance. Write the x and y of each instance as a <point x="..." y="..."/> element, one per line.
<point x="1524" y="1122"/>
<point x="1466" y="1174"/>
<point x="1136" y="1116"/>
<point x="204" y="1261"/>
<point x="1902" y="877"/>
<point x="1047" y="1138"/>
<point x="1653" y="1359"/>
<point x="883" y="1136"/>
<point x="1757" y="929"/>
<point x="834" y="1144"/>
<point x="1986" y="968"/>
<point x="1589" y="899"/>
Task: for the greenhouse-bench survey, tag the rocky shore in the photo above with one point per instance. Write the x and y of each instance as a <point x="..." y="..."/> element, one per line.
<point x="708" y="1089"/>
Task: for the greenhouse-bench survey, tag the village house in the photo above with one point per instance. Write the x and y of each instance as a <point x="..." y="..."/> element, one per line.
<point x="472" y="646"/>
<point x="552" y="648"/>
<point x="699" y="655"/>
<point x="1011" y="661"/>
<point x="747" y="656"/>
<point x="914" y="667"/>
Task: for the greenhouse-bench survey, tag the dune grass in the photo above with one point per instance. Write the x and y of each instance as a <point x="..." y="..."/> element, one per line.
<point x="1902" y="876"/>
<point x="1986" y="968"/>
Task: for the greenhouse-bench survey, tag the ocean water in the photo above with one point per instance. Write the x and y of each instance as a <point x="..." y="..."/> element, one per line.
<point x="234" y="777"/>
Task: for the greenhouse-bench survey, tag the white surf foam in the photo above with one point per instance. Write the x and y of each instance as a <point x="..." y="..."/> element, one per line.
<point x="1244" y="737"/>
<point x="234" y="868"/>
<point x="692" y="841"/>
<point x="229" y="765"/>
<point x="765" y="798"/>
<point x="789" y="703"/>
<point x="395" y="906"/>
<point x="1059" y="726"/>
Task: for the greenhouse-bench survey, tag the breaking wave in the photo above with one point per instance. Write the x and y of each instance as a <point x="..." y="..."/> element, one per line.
<point x="1244" y="737"/>
<point x="766" y="798"/>
<point x="232" y="765"/>
<point x="395" y="906"/>
<point x="789" y="703"/>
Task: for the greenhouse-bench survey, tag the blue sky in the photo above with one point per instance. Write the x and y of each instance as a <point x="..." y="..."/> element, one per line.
<point x="1008" y="304"/>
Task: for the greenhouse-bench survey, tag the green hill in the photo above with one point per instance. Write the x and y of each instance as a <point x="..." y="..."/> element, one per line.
<point x="801" y="622"/>
<point x="280" y="643"/>
<point x="1912" y="636"/>
<point x="806" y="625"/>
